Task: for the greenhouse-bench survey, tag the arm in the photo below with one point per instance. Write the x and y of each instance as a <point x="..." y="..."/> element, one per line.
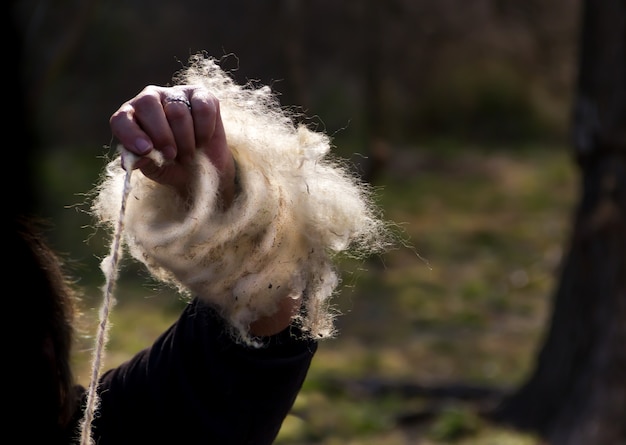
<point x="247" y="212"/>
<point x="195" y="385"/>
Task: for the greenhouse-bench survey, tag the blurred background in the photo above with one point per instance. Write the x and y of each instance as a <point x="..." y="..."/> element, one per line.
<point x="393" y="83"/>
<point x="459" y="113"/>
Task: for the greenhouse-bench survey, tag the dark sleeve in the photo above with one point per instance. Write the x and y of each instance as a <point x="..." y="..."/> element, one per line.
<point x="196" y="386"/>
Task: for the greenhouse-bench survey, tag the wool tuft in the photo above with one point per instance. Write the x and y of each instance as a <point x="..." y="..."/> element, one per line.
<point x="296" y="209"/>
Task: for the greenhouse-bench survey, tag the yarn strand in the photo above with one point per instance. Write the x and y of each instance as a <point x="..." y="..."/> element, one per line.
<point x="110" y="267"/>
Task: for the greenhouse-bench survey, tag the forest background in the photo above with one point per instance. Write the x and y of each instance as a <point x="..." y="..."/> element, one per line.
<point x="459" y="114"/>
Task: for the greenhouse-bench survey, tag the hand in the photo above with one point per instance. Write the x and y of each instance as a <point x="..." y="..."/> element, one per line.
<point x="177" y="121"/>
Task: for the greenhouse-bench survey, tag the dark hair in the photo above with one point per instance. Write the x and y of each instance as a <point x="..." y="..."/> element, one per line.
<point x="47" y="310"/>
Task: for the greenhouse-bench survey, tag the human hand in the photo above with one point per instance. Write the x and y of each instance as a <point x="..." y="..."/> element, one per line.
<point x="177" y="121"/>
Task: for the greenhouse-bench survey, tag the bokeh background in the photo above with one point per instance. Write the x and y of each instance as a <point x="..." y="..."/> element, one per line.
<point x="393" y="83"/>
<point x="457" y="112"/>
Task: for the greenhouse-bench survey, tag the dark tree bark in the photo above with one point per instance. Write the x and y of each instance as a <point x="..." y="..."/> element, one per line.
<point x="577" y="392"/>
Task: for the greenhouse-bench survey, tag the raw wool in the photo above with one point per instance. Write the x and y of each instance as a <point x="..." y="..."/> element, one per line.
<point x="296" y="209"/>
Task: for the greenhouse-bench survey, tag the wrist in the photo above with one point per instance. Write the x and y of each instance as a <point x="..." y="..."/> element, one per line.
<point x="287" y="308"/>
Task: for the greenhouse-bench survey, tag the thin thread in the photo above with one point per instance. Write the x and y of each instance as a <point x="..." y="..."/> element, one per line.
<point x="110" y="268"/>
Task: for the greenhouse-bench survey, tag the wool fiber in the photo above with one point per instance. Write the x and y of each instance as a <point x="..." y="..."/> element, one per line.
<point x="296" y="209"/>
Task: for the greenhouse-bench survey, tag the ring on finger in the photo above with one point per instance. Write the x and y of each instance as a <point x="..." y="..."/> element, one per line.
<point x="182" y="100"/>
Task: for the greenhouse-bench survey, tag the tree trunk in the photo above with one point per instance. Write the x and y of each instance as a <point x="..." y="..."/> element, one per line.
<point x="577" y="392"/>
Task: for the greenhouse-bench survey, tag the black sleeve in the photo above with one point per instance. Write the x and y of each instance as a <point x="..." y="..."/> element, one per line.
<point x="196" y="386"/>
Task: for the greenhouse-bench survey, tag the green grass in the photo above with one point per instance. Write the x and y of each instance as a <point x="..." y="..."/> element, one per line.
<point x="466" y="302"/>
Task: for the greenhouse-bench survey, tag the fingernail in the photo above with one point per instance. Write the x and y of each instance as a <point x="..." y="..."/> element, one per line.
<point x="143" y="146"/>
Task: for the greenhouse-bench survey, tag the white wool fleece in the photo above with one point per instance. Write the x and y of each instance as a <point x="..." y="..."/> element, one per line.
<point x="294" y="211"/>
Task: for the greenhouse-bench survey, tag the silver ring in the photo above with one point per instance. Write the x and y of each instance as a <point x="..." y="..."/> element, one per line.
<point x="182" y="100"/>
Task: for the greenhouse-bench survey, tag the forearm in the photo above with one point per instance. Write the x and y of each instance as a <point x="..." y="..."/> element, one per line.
<point x="195" y="385"/>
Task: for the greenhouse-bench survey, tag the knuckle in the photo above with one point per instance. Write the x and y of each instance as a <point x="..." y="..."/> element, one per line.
<point x="205" y="105"/>
<point x="145" y="101"/>
<point x="121" y="115"/>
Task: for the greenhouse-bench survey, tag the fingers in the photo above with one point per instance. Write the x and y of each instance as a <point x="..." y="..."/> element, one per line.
<point x="177" y="110"/>
<point x="178" y="121"/>
<point x="209" y="129"/>
<point x="161" y="118"/>
<point x="211" y="140"/>
<point x="128" y="131"/>
<point x="204" y="108"/>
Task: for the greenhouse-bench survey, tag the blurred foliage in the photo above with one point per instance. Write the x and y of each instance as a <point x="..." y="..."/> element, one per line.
<point x="412" y="74"/>
<point x="412" y="68"/>
<point x="480" y="104"/>
<point x="454" y="423"/>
